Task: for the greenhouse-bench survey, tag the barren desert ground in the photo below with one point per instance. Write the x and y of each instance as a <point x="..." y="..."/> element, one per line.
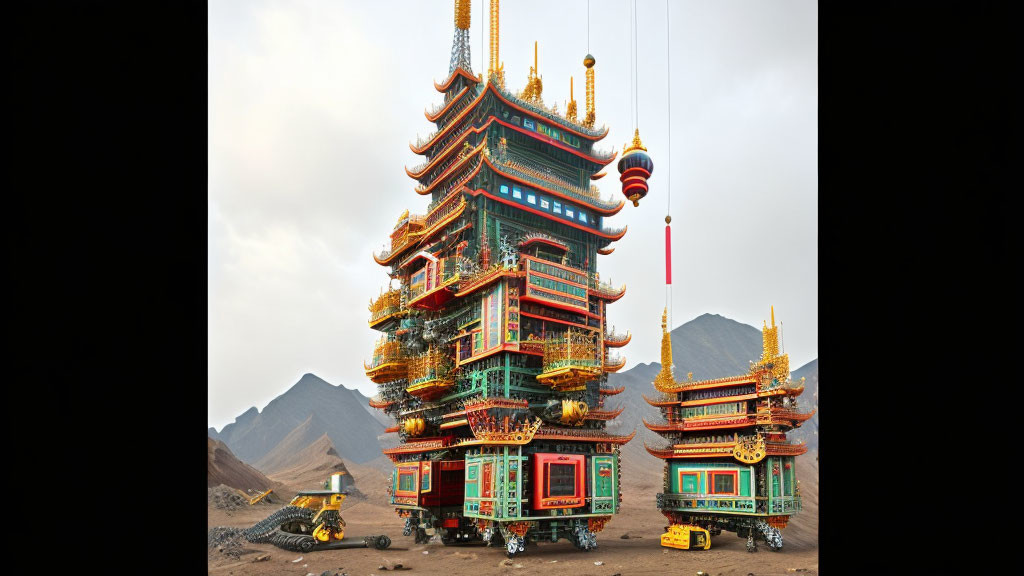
<point x="639" y="553"/>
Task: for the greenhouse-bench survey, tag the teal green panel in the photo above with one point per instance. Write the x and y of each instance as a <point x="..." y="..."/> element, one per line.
<point x="604" y="476"/>
<point x="744" y="482"/>
<point x="789" y="476"/>
<point x="691" y="483"/>
<point x="472" y="485"/>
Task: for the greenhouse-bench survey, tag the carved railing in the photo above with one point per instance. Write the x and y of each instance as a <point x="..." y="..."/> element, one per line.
<point x="571" y="348"/>
<point x="388" y="303"/>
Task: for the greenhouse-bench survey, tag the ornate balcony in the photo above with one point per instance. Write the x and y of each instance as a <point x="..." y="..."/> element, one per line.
<point x="430" y="375"/>
<point x="571" y="359"/>
<point x="388" y="305"/>
<point x="389" y="362"/>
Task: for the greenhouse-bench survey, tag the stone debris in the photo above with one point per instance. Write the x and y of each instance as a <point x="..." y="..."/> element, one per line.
<point x="262" y="558"/>
<point x="225" y="498"/>
<point x="598" y="563"/>
<point x="297" y="560"/>
<point x="226" y="540"/>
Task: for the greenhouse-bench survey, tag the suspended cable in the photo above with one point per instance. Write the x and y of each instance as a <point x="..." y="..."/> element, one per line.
<point x="668" y="174"/>
<point x="632" y="68"/>
<point x="636" y="73"/>
<point x="588" y="26"/>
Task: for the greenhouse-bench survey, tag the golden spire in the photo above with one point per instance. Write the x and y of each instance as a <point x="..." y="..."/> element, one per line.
<point x="665" y="379"/>
<point x="463" y="9"/>
<point x="534" y="85"/>
<point x="775" y="363"/>
<point x="636" y="144"/>
<point x="570" y="109"/>
<point x="589" y="62"/>
<point x="495" y="68"/>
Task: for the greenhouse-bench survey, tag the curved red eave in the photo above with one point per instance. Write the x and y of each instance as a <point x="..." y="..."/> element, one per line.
<point x="451" y="169"/>
<point x="659" y="402"/>
<point x="549" y="241"/>
<point x="605" y="251"/>
<point x="600" y="175"/>
<point x="618" y="343"/>
<point x="615" y="367"/>
<point x="451" y="78"/>
<point x="447" y="106"/>
<point x="532" y="114"/>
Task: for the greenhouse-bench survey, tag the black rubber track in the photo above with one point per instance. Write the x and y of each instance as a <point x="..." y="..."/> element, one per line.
<point x="263" y="530"/>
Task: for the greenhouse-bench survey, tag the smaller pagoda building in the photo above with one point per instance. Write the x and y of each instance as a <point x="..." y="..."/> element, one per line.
<point x="729" y="465"/>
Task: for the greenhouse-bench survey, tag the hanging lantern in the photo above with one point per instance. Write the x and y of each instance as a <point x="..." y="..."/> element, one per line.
<point x="635" y="168"/>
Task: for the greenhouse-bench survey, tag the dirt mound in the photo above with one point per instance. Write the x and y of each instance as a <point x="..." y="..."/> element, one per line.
<point x="223" y="468"/>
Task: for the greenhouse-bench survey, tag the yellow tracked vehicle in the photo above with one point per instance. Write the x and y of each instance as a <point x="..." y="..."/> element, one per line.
<point x="686" y="537"/>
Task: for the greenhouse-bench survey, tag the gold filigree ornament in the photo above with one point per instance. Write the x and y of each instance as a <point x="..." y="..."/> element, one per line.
<point x="750" y="450"/>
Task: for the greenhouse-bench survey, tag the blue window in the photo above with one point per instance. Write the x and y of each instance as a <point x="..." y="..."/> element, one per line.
<point x="531" y="198"/>
<point x="527" y="123"/>
<point x="544" y="203"/>
<point x="583" y="217"/>
<point x="504" y="189"/>
<point x="569" y="212"/>
<point x="517" y="192"/>
<point x="558" y="207"/>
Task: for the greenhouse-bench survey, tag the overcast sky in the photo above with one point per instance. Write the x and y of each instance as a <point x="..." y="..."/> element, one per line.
<point x="312" y="104"/>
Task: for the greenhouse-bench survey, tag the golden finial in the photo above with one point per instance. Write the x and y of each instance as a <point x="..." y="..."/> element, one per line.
<point x="634" y="145"/>
<point x="588" y="62"/>
<point x="773" y="315"/>
<point x="570" y="109"/>
<point x="463" y="9"/>
<point x="534" y="85"/>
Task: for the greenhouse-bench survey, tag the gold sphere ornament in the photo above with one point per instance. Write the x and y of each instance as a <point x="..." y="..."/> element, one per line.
<point x="589" y="61"/>
<point x="668" y="219"/>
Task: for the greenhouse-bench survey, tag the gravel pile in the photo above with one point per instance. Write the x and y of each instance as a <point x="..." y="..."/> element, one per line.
<point x="226" y="540"/>
<point x="225" y="498"/>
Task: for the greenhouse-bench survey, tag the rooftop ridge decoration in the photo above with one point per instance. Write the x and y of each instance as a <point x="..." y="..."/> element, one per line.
<point x="547" y="114"/>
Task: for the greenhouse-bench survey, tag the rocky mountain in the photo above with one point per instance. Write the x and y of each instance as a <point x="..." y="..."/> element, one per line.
<point x="222" y="467"/>
<point x="309" y="409"/>
<point x="309" y="465"/>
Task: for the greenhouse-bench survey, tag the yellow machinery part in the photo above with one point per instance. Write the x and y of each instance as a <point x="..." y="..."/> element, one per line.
<point x="322" y="533"/>
<point x="686" y="537"/>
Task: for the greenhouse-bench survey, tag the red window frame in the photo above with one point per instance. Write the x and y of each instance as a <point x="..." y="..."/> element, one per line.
<point x="695" y="474"/>
<point x="409" y="468"/>
<point x="735" y="481"/>
<point x="541" y="478"/>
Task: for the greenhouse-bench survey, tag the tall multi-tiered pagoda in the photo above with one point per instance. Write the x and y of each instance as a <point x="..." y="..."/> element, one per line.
<point x="495" y="346"/>
<point x="730" y="466"/>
